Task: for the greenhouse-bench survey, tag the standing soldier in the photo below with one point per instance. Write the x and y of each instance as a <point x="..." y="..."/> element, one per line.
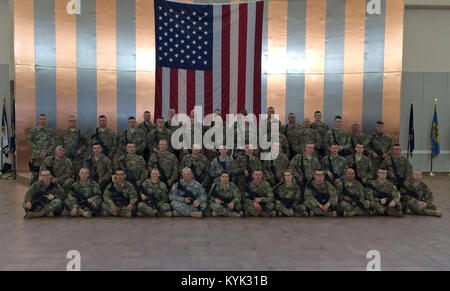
<point x="308" y="136"/>
<point x="199" y="165"/>
<point x="304" y="165"/>
<point x="133" y="165"/>
<point x="322" y="129"/>
<point x="132" y="135"/>
<point x="273" y="169"/>
<point x="244" y="166"/>
<point x="222" y="163"/>
<point x="120" y="197"/>
<point x="361" y="164"/>
<point x="399" y="168"/>
<point x="44" y="198"/>
<point x="165" y="162"/>
<point x="258" y="199"/>
<point x="225" y="198"/>
<point x="85" y="196"/>
<point x="339" y="136"/>
<point x="417" y="197"/>
<point x="105" y="136"/>
<point x="157" y="134"/>
<point x="154" y="199"/>
<point x="334" y="165"/>
<point x="100" y="167"/>
<point x="384" y="197"/>
<point x="288" y="197"/>
<point x="292" y="133"/>
<point x="60" y="168"/>
<point x="168" y="123"/>
<point x="351" y="197"/>
<point x="320" y="196"/>
<point x="146" y="127"/>
<point x="271" y="119"/>
<point x="76" y="143"/>
<point x="379" y="145"/>
<point x="188" y="198"/>
<point x="41" y="140"/>
<point x="357" y="136"/>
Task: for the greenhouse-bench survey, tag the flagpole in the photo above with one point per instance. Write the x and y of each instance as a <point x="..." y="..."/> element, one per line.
<point x="431" y="155"/>
<point x="1" y="148"/>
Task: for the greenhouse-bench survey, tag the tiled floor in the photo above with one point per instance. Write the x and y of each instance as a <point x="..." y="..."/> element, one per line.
<point x="409" y="243"/>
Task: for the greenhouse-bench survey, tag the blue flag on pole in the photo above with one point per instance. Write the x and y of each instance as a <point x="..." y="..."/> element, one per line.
<point x="411" y="131"/>
<point x="5" y="135"/>
<point x="435" y="135"/>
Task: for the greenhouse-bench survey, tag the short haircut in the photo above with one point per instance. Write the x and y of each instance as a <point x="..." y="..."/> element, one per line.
<point x="160" y="117"/>
<point x="380" y="122"/>
<point x="96" y="143"/>
<point x="397" y="145"/>
<point x="317" y="112"/>
<point x="131" y="118"/>
<point x="42" y="114"/>
<point x="337" y="117"/>
<point x="102" y="116"/>
<point x="223" y="173"/>
<point x="146" y="111"/>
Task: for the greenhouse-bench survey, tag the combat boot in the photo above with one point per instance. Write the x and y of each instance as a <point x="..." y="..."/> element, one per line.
<point x="176" y="214"/>
<point x="84" y="213"/>
<point x="430" y="212"/>
<point x="35" y="214"/>
<point x="394" y="212"/>
<point x="235" y="214"/>
<point x="166" y="214"/>
<point x="196" y="214"/>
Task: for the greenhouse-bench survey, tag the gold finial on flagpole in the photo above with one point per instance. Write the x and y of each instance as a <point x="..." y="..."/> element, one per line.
<point x="433" y="174"/>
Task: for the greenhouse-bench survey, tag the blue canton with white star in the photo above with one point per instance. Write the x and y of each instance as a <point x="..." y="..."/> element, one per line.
<point x="184" y="35"/>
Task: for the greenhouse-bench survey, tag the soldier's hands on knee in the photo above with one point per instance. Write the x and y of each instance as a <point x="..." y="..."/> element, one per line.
<point x="258" y="199"/>
<point x="143" y="197"/>
<point x="257" y="206"/>
<point x="246" y="173"/>
<point x="231" y="205"/>
<point x="90" y="200"/>
<point x="129" y="207"/>
<point x="49" y="196"/>
<point x="28" y="205"/>
<point x="218" y="201"/>
<point x="187" y="200"/>
<point x="383" y="201"/>
<point x="74" y="211"/>
<point x="196" y="203"/>
<point x="113" y="208"/>
<point x="392" y="204"/>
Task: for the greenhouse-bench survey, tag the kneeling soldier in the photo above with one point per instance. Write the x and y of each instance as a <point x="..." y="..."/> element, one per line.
<point x="85" y="197"/>
<point x="417" y="197"/>
<point x="320" y="196"/>
<point x="351" y="196"/>
<point x="188" y="198"/>
<point x="259" y="200"/>
<point x="44" y="198"/>
<point x="119" y="197"/>
<point x="154" y="199"/>
<point x="385" y="199"/>
<point x="288" y="197"/>
<point x="225" y="198"/>
<point x="60" y="168"/>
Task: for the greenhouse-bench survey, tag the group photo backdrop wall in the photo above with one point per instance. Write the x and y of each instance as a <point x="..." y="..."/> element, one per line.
<point x="336" y="56"/>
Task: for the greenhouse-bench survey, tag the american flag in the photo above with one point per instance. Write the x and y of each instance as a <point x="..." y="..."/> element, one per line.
<point x="208" y="55"/>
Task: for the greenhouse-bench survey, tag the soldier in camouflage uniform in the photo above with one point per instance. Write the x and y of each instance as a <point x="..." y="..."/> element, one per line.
<point x="334" y="165"/>
<point x="383" y="196"/>
<point x="41" y="141"/>
<point x="292" y="133"/>
<point x="288" y="197"/>
<point x="361" y="164"/>
<point x="320" y="196"/>
<point x="357" y="136"/>
<point x="120" y="197"/>
<point x="60" y="167"/>
<point x="222" y="163"/>
<point x="146" y="127"/>
<point x="304" y="166"/>
<point x="351" y="196"/>
<point x="44" y="198"/>
<point x="75" y="142"/>
<point x="192" y="127"/>
<point x="309" y="135"/>
<point x="225" y="198"/>
<point x="244" y="166"/>
<point x="258" y="197"/>
<point x="321" y="128"/>
<point x="399" y="168"/>
<point x="161" y="132"/>
<point x="85" y="196"/>
<point x="339" y="136"/>
<point x="379" y="146"/>
<point x="100" y="167"/>
<point x="154" y="199"/>
<point x="165" y="162"/>
<point x="213" y="153"/>
<point x="417" y="197"/>
<point x="181" y="200"/>
<point x="273" y="169"/>
<point x="105" y="136"/>
<point x="199" y="165"/>
<point x="271" y="119"/>
<point x="168" y="123"/>
<point x="132" y="135"/>
<point x="133" y="165"/>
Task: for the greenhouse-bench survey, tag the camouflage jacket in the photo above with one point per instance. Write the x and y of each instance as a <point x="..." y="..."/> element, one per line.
<point x="324" y="187"/>
<point x="397" y="166"/>
<point x="40" y="187"/>
<point x="353" y="188"/>
<point x="263" y="190"/>
<point x="309" y="135"/>
<point x="363" y="167"/>
<point x="194" y="186"/>
<point x="73" y="140"/>
<point x="88" y="189"/>
<point x="379" y="143"/>
<point x="339" y="136"/>
<point x="376" y="188"/>
<point x="275" y="167"/>
<point x="419" y="191"/>
<point x="137" y="136"/>
<point x="41" y="139"/>
<point x="289" y="192"/>
<point x="158" y="190"/>
<point x="228" y="192"/>
<point x="146" y="128"/>
<point x="62" y="168"/>
<point x="336" y="165"/>
<point x="156" y="135"/>
<point x="309" y="166"/>
<point x="217" y="166"/>
<point x="126" y="189"/>
<point x="135" y="165"/>
<point x="320" y="127"/>
<point x="106" y="136"/>
<point x="103" y="166"/>
<point x="165" y="161"/>
<point x="240" y="165"/>
<point x="199" y="165"/>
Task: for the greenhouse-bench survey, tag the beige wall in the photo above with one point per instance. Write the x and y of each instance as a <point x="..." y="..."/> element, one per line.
<point x="428" y="2"/>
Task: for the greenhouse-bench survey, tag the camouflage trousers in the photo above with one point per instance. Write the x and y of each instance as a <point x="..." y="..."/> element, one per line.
<point x="84" y="210"/>
<point x="52" y="208"/>
<point x="186" y="209"/>
<point x="317" y="211"/>
<point x="268" y="209"/>
<point x="413" y="205"/>
<point x="36" y="162"/>
<point x="282" y="210"/>
<point x="379" y="209"/>
<point x="66" y="184"/>
<point x="144" y="209"/>
<point x="349" y="210"/>
<point x="122" y="211"/>
<point x="77" y="163"/>
<point x="223" y="210"/>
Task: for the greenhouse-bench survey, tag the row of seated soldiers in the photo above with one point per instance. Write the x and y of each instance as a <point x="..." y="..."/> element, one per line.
<point x="293" y="138"/>
<point x="302" y="186"/>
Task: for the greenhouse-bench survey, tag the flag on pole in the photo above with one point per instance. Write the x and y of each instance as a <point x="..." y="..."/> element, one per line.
<point x="6" y="158"/>
<point x="411" y="131"/>
<point x="208" y="55"/>
<point x="435" y="135"/>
